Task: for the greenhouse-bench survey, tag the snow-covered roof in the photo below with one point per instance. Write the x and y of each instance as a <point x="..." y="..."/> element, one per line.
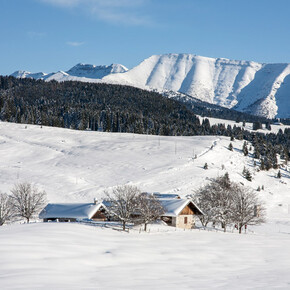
<point x="71" y="210"/>
<point x="165" y="195"/>
<point x="173" y="207"/>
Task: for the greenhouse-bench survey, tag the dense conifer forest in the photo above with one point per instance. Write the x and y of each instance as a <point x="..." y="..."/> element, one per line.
<point x="115" y="108"/>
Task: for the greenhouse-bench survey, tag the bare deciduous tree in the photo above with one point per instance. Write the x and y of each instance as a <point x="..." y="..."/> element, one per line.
<point x="214" y="199"/>
<point x="6" y="208"/>
<point x="204" y="200"/>
<point x="27" y="200"/>
<point x="149" y="209"/>
<point x="247" y="208"/>
<point x="123" y="202"/>
<point x="229" y="203"/>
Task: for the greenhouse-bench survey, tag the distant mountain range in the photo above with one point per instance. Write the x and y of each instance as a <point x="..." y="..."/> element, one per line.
<point x="78" y="72"/>
<point x="251" y="87"/>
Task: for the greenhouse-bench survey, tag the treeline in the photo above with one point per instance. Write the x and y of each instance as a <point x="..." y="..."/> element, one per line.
<point x="115" y="108"/>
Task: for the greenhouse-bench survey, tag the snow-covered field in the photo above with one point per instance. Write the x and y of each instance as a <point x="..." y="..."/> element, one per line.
<point x="76" y="166"/>
<point x="72" y="256"/>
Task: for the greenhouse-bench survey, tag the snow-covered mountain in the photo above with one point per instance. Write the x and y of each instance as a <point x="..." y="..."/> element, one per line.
<point x="259" y="89"/>
<point x="255" y="88"/>
<point x="27" y="74"/>
<point x="81" y="72"/>
<point x="95" y="72"/>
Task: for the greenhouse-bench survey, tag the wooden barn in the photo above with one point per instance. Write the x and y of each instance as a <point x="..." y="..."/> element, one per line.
<point x="71" y="212"/>
<point x="180" y="213"/>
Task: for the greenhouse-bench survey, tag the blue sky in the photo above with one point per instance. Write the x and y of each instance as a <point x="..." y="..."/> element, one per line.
<point x="52" y="35"/>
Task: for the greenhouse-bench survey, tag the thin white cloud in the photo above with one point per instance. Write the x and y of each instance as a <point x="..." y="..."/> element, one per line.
<point x="74" y="43"/>
<point x="120" y="16"/>
<point x="128" y="12"/>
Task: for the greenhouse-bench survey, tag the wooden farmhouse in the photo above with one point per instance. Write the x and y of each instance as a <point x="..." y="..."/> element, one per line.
<point x="180" y="213"/>
<point x="71" y="212"/>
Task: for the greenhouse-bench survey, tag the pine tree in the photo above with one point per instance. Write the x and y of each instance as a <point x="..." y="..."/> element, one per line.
<point x="230" y="147"/>
<point x="248" y="175"/>
<point x="262" y="166"/>
<point x="245" y="149"/>
<point x="257" y="153"/>
<point x="279" y="174"/>
<point x="205" y="166"/>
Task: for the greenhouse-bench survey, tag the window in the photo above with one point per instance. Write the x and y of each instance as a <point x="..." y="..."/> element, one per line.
<point x="185" y="220"/>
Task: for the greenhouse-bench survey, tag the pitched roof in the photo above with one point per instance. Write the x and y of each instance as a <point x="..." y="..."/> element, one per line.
<point x="70" y="210"/>
<point x="165" y="195"/>
<point x="173" y="207"/>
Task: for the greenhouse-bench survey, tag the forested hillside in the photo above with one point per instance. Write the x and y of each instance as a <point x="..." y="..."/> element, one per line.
<point x="116" y="108"/>
<point x="110" y="108"/>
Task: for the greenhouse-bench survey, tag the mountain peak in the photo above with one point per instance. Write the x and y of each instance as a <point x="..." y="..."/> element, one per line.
<point x="95" y="72"/>
<point x="26" y="74"/>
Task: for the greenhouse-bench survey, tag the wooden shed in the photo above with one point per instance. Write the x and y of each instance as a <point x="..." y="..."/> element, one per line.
<point x="180" y="213"/>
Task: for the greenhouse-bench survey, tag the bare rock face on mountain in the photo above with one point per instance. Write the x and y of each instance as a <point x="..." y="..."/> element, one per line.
<point x="255" y="88"/>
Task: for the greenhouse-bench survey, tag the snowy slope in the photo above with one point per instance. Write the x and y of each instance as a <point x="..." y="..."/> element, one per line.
<point x="255" y="88"/>
<point x="75" y="166"/>
<point x="80" y="165"/>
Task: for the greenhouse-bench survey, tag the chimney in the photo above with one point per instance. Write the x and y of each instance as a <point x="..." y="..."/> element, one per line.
<point x="95" y="200"/>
